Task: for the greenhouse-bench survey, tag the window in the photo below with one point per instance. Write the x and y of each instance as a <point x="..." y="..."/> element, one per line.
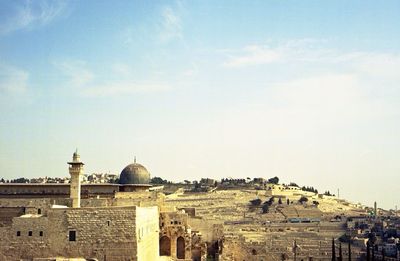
<point x="41" y="233"/>
<point x="30" y="233"/>
<point x="39" y="211"/>
<point x="72" y="235"/>
<point x="108" y="222"/>
<point x="18" y="233"/>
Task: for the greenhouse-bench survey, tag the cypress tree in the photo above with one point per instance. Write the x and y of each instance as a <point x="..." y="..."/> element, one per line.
<point x="340" y="252"/>
<point x="373" y="252"/>
<point x="333" y="250"/>
<point x="349" y="250"/>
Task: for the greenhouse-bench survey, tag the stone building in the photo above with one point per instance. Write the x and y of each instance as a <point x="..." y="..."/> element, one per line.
<point x="104" y="233"/>
<point x="92" y="221"/>
<point x="175" y="235"/>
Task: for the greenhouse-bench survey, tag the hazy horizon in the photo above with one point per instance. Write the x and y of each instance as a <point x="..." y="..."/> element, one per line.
<point x="306" y="91"/>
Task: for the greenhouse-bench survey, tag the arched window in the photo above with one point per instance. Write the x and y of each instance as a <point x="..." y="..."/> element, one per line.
<point x="254" y="252"/>
<point x="180" y="248"/>
<point x="165" y="246"/>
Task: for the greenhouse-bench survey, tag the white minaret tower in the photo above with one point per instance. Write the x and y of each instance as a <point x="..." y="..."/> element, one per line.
<point x="76" y="172"/>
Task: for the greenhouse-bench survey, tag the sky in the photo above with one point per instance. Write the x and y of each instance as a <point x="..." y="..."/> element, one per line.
<point x="304" y="90"/>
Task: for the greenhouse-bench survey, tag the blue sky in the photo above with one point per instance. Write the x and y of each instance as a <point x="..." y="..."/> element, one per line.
<point x="305" y="90"/>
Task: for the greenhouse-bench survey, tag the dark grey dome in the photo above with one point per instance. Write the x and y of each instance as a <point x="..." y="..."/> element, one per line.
<point x="134" y="174"/>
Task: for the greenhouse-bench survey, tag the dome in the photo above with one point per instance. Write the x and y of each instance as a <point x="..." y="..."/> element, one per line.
<point x="134" y="174"/>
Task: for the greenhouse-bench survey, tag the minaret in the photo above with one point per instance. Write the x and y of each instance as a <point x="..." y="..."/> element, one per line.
<point x="76" y="172"/>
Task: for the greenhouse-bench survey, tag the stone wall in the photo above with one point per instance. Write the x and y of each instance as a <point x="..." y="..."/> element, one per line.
<point x="32" y="205"/>
<point x="176" y="231"/>
<point x="207" y="228"/>
<point x="110" y="233"/>
<point x="147" y="229"/>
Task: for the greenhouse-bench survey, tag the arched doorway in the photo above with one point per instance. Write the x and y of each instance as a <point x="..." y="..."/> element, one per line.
<point x="165" y="246"/>
<point x="180" y="248"/>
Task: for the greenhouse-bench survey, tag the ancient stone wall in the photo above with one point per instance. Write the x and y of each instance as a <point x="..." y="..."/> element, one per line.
<point x="143" y="199"/>
<point x="32" y="205"/>
<point x="110" y="233"/>
<point x="175" y="235"/>
<point x="205" y="227"/>
<point x="147" y="230"/>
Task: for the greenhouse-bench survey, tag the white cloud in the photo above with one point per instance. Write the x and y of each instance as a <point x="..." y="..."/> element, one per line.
<point x="254" y="55"/>
<point x="76" y="71"/>
<point x="119" y="81"/>
<point x="192" y="71"/>
<point x="13" y="80"/>
<point x="319" y="91"/>
<point x="374" y="66"/>
<point x="31" y="14"/>
<point x="123" y="88"/>
<point x="314" y="93"/>
<point x="122" y="69"/>
<point x="171" y="25"/>
<point x="378" y="64"/>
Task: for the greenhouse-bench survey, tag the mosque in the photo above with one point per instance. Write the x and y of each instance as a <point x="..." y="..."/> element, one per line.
<point x="124" y="221"/>
<point x="133" y="178"/>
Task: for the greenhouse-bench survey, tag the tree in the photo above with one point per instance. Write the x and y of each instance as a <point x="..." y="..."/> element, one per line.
<point x="316" y="203"/>
<point x="20" y="180"/>
<point x="333" y="250"/>
<point x="349" y="250"/>
<point x="303" y="200"/>
<point x="265" y="208"/>
<point x="158" y="180"/>
<point x="274" y="180"/>
<point x="255" y="202"/>
<point x="269" y="201"/>
<point x="368" y="251"/>
<point x="284" y="256"/>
